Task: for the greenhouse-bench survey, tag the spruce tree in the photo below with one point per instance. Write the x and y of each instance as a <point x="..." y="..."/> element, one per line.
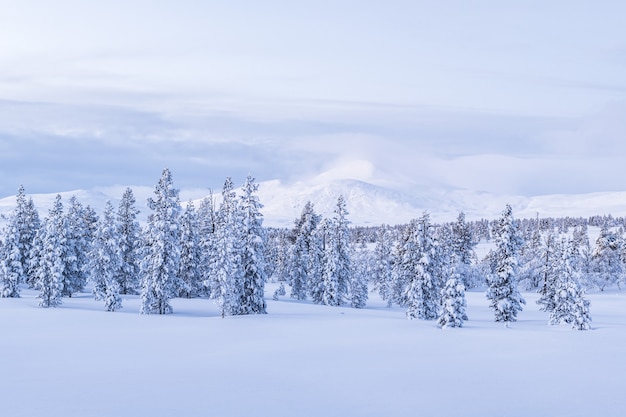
<point x="161" y="252"/>
<point x="425" y="267"/>
<point x="303" y="262"/>
<point x="253" y="250"/>
<point x="190" y="262"/>
<point x="11" y="268"/>
<point x="361" y="270"/>
<point x="28" y="235"/>
<point x="549" y="272"/>
<point x="207" y="226"/>
<point x="51" y="251"/>
<point x="78" y="240"/>
<point x="227" y="269"/>
<point x="129" y="233"/>
<point x="570" y="305"/>
<point x="503" y="294"/>
<point x="382" y="274"/>
<point x="453" y="303"/>
<point x="337" y="269"/>
<point x="105" y="261"/>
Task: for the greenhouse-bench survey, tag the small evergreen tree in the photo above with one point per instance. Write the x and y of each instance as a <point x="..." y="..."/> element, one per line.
<point x="11" y="269"/>
<point x="360" y="273"/>
<point x="453" y="303"/>
<point x="382" y="274"/>
<point x="160" y="265"/>
<point x="504" y="296"/>
<point x="570" y="306"/>
<point x="78" y="240"/>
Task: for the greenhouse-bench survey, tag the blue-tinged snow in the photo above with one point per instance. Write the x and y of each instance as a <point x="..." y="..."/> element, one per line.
<point x="305" y="360"/>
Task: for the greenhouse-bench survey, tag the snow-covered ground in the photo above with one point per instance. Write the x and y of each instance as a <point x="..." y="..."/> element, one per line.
<point x="306" y="360"/>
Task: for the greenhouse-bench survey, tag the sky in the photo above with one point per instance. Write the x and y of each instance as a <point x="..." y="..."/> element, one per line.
<point x="521" y="98"/>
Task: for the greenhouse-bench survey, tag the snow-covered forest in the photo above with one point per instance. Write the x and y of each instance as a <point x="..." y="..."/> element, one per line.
<point x="223" y="252"/>
<point x="337" y="296"/>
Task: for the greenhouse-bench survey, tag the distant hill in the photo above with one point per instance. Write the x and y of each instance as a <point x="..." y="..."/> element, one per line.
<point x="368" y="204"/>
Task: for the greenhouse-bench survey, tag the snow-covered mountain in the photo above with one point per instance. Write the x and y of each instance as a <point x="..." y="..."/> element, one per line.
<point x="368" y="204"/>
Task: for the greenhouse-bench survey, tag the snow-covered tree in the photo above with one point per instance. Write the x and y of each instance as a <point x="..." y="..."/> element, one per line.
<point x="129" y="233"/>
<point x="302" y="261"/>
<point x="570" y="305"/>
<point x="226" y="279"/>
<point x="361" y="270"/>
<point x="11" y="268"/>
<point x="190" y="277"/>
<point x="337" y="270"/>
<point x="382" y="273"/>
<point x="549" y="272"/>
<point x="16" y="251"/>
<point x="253" y="251"/>
<point x="453" y="303"/>
<point x="316" y="262"/>
<point x="50" y="253"/>
<point x="29" y="229"/>
<point x="161" y="252"/>
<point x="207" y="226"/>
<point x="105" y="261"/>
<point x="503" y="294"/>
<point x="606" y="266"/>
<point x="423" y="268"/>
<point x="78" y="241"/>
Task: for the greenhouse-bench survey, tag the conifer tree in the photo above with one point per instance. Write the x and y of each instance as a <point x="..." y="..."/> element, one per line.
<point x="504" y="296"/>
<point x="317" y="261"/>
<point x="190" y="262"/>
<point x="549" y="272"/>
<point x="51" y="251"/>
<point x="453" y="303"/>
<point x="361" y="270"/>
<point x="227" y="269"/>
<point x="78" y="240"/>
<point x="422" y="295"/>
<point x="303" y="260"/>
<point x="207" y="226"/>
<point x="253" y="251"/>
<point x="11" y="269"/>
<point x="16" y="252"/>
<point x="606" y="266"/>
<point x="337" y="270"/>
<point x="382" y="274"/>
<point x="28" y="235"/>
<point x="570" y="306"/>
<point x="129" y="233"/>
<point x="105" y="261"/>
<point x="161" y="252"/>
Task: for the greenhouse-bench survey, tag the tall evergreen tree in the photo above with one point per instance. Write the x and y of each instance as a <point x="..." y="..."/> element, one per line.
<point x="422" y="295"/>
<point x="503" y="294"/>
<point x="16" y="252"/>
<point x="129" y="233"/>
<point x="78" y="240"/>
<point x="161" y="257"/>
<point x="105" y="261"/>
<point x="227" y="269"/>
<point x="303" y="262"/>
<point x="190" y="262"/>
<point x="253" y="251"/>
<point x="317" y="262"/>
<point x="337" y="269"/>
<point x="28" y="235"/>
<point x="207" y="226"/>
<point x="549" y="272"/>
<point x="50" y="254"/>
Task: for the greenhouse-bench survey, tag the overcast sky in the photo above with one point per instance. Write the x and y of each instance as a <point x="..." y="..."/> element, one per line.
<point x="506" y="97"/>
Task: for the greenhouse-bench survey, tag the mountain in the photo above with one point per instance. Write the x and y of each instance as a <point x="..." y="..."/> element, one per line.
<point x="368" y="204"/>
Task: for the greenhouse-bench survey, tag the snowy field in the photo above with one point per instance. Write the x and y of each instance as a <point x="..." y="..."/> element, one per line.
<point x="306" y="360"/>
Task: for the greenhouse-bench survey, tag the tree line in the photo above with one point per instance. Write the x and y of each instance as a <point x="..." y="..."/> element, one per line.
<point x="223" y="252"/>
